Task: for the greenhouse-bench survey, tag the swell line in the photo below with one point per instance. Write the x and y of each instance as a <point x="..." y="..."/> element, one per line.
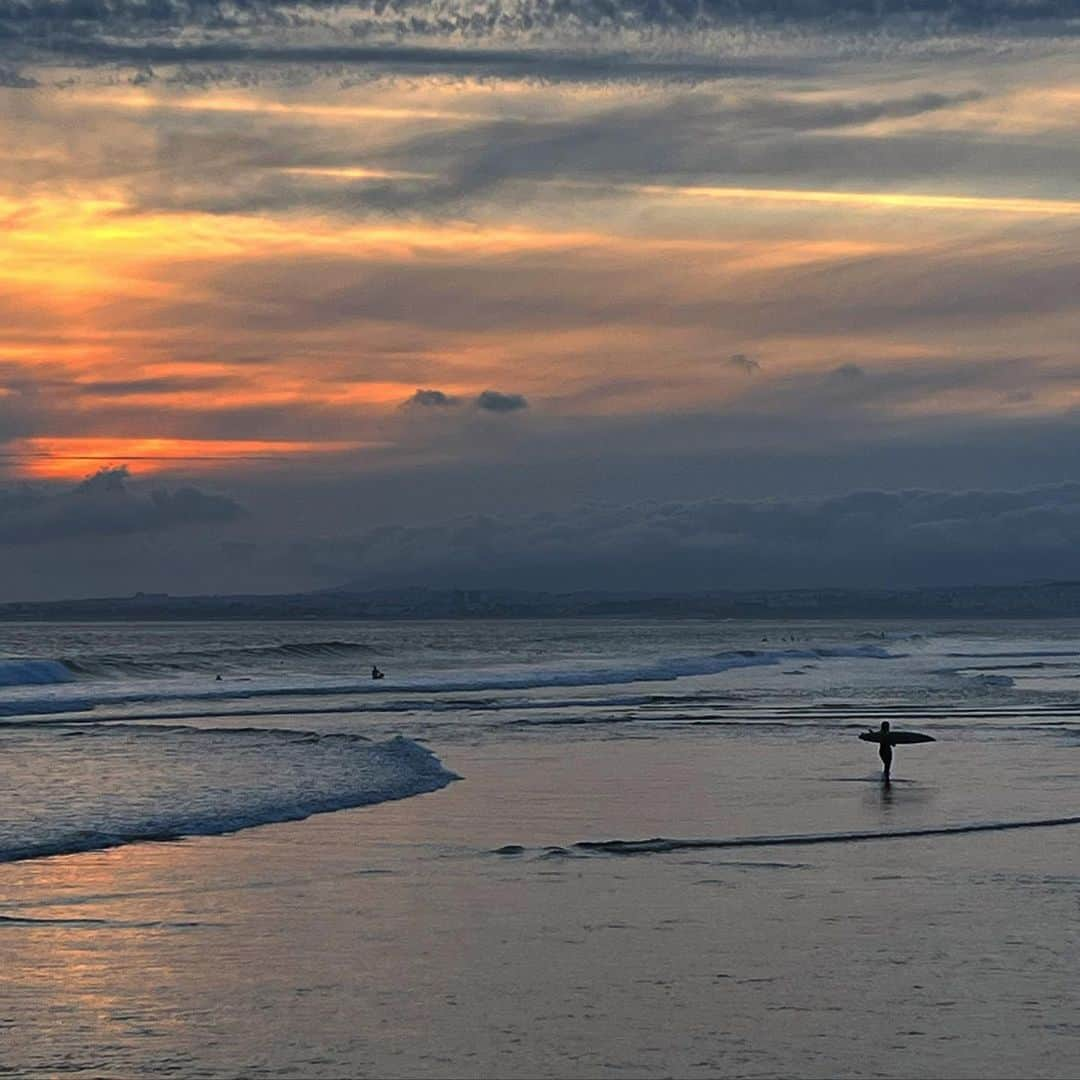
<point x="662" y="844"/>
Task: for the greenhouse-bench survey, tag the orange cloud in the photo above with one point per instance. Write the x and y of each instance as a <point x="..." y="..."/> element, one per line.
<point x="54" y="458"/>
<point x="871" y="200"/>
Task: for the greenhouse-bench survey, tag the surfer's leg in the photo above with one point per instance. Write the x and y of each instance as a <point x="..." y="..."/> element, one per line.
<point x="885" y="752"/>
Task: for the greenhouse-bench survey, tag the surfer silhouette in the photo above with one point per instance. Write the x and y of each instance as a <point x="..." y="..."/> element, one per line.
<point x="886" y="739"/>
<point x="885" y="750"/>
<point x="376" y="673"/>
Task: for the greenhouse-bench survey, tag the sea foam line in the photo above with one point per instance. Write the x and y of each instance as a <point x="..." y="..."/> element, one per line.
<point x="663" y="844"/>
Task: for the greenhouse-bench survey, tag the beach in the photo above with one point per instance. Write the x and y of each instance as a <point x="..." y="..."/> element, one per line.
<point x="780" y="924"/>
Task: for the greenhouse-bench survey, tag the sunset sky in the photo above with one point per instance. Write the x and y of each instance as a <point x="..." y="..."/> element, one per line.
<point x="548" y="294"/>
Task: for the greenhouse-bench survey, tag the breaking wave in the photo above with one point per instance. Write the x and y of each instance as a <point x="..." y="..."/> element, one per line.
<point x="38" y="671"/>
<point x="21" y="672"/>
<point x="34" y="672"/>
<point x="150" y="664"/>
<point x="102" y="787"/>
<point x="271" y="683"/>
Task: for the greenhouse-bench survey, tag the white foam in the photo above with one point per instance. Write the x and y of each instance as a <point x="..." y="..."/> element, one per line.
<point x="105" y="786"/>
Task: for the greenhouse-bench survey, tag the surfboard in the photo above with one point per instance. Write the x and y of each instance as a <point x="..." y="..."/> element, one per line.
<point x="897" y="738"/>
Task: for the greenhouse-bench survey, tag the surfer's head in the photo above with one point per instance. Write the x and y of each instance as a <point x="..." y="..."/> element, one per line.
<point x="884" y="725"/>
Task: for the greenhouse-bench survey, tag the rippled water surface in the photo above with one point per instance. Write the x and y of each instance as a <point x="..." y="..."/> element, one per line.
<point x="581" y="848"/>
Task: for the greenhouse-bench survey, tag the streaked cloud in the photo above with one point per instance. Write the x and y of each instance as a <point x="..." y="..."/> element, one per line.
<point x="374" y="259"/>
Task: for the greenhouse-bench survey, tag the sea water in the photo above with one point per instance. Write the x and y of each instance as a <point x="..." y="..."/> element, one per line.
<point x="118" y="732"/>
<point x="581" y="849"/>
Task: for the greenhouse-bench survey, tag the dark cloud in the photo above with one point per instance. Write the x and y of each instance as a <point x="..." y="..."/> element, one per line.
<point x="787" y="114"/>
<point x="105" y="505"/>
<point x="522" y="63"/>
<point x="866" y="537"/>
<point x="742" y="362"/>
<point x="676" y="40"/>
<point x="15" y="80"/>
<point x="428" y="20"/>
<point x="432" y="399"/>
<point x="497" y="402"/>
<point x="847" y="372"/>
<point x="118" y="388"/>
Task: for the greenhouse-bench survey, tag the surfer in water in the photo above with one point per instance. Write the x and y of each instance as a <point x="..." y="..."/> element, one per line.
<point x="376" y="673"/>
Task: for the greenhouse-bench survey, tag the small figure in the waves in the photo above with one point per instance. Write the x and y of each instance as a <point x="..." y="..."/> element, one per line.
<point x="218" y="678"/>
<point x="376" y="673"/>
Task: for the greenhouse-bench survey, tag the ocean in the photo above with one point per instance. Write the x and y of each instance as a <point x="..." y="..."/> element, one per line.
<point x="626" y="763"/>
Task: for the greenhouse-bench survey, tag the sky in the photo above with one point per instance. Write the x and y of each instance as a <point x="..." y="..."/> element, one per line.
<point x="557" y="294"/>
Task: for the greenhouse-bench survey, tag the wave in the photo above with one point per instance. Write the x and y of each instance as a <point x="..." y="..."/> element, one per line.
<point x="249" y="659"/>
<point x="167" y="783"/>
<point x="93" y="924"/>
<point x="31" y="672"/>
<point x="1000" y="655"/>
<point x="268" y="685"/>
<point x="666" y="669"/>
<point x="994" y="680"/>
<point x="40" y="671"/>
<point x="1034" y="664"/>
<point x="663" y="844"/>
<point x="149" y="664"/>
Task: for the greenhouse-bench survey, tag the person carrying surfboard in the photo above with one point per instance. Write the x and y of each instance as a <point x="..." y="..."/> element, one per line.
<point x="886" y="739"/>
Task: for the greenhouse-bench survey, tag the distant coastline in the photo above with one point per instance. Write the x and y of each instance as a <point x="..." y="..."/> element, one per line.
<point x="1056" y="599"/>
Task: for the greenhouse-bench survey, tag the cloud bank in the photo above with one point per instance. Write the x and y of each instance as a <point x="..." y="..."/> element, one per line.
<point x="873" y="538"/>
<point x="104" y="505"/>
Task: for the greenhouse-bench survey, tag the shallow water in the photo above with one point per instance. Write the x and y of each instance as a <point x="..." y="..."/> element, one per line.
<point x="603" y="892"/>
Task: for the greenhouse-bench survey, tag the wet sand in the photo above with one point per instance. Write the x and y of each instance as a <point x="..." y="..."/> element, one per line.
<point x="394" y="940"/>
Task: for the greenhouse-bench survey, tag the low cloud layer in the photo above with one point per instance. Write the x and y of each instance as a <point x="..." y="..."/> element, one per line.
<point x="106" y="505"/>
<point x="871" y="538"/>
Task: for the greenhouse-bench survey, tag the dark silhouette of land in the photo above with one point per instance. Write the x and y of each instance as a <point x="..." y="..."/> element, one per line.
<point x="1055" y="599"/>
